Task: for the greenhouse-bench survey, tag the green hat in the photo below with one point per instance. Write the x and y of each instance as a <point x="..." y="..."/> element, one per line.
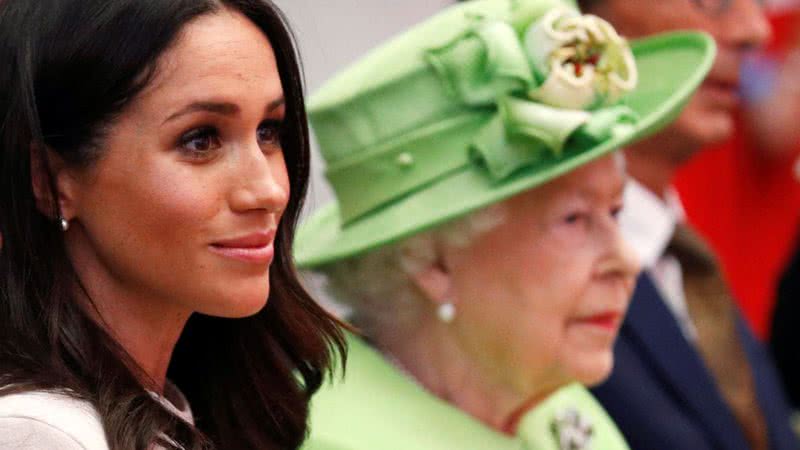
<point x="485" y="100"/>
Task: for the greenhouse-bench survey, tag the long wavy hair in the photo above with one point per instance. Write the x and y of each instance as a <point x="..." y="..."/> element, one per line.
<point x="67" y="69"/>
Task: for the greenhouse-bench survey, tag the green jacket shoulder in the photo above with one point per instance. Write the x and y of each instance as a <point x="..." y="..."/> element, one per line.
<point x="375" y="406"/>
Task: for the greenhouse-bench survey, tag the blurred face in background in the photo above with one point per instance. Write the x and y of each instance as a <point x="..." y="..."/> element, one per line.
<point x="737" y="26"/>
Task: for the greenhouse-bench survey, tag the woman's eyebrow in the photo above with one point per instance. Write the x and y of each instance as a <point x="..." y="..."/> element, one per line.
<point x="222" y="108"/>
<point x="275" y="104"/>
<point x="603" y="191"/>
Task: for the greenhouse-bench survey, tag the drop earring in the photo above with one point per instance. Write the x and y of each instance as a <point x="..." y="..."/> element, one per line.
<point x="446" y="312"/>
<point x="64" y="224"/>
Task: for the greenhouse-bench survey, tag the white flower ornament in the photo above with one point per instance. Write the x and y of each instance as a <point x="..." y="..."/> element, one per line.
<point x="581" y="61"/>
<point x="560" y="82"/>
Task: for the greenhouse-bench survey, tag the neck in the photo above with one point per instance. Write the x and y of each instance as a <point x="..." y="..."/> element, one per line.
<point x="145" y="326"/>
<point x="437" y="361"/>
<point x="146" y="332"/>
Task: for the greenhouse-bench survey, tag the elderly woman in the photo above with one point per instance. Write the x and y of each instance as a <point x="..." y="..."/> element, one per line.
<point x="474" y="238"/>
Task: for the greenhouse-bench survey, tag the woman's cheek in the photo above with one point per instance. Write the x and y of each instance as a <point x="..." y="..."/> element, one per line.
<point x="566" y="236"/>
<point x="189" y="192"/>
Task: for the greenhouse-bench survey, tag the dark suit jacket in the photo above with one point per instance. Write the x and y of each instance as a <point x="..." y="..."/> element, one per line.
<point x="785" y="335"/>
<point x="662" y="396"/>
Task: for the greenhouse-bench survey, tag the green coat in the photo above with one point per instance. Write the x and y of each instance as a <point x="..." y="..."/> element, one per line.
<point x="376" y="407"/>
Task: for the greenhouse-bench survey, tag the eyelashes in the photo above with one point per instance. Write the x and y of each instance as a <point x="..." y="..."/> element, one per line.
<point x="202" y="142"/>
<point x="270" y="132"/>
<point x="578" y="216"/>
<point x="616" y="211"/>
<point x="574" y="217"/>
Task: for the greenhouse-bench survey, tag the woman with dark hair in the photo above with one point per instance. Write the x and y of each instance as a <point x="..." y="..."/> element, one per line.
<point x="153" y="160"/>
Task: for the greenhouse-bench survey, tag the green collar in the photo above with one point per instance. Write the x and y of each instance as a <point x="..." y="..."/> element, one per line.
<point x="377" y="407"/>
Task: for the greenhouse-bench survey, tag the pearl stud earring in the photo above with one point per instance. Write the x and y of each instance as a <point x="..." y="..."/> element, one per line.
<point x="446" y="312"/>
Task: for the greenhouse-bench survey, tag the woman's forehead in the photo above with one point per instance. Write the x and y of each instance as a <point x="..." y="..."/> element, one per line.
<point x="223" y="51"/>
<point x="600" y="180"/>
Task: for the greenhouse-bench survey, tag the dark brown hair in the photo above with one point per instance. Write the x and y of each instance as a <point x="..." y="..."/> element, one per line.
<point x="67" y="69"/>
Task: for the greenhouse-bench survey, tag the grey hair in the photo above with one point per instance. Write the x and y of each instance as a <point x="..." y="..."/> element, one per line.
<point x="376" y="288"/>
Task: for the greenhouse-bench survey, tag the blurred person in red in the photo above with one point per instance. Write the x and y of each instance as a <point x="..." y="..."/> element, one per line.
<point x="743" y="194"/>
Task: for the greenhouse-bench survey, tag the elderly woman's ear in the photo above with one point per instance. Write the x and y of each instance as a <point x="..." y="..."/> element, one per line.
<point x="435" y="284"/>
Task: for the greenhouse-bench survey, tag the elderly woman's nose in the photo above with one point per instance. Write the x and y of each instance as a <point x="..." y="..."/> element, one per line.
<point x="621" y="259"/>
<point x="258" y="182"/>
<point x="629" y="259"/>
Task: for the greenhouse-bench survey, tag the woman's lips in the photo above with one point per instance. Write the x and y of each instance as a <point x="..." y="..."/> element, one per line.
<point x="256" y="248"/>
<point x="608" y="321"/>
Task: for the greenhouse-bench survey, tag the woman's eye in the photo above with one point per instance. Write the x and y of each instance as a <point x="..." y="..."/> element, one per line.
<point x="269" y="132"/>
<point x="616" y="211"/>
<point x="200" y="141"/>
<point x="575" y="217"/>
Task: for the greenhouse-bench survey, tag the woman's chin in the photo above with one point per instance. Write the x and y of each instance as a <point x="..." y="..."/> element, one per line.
<point x="593" y="370"/>
<point x="234" y="306"/>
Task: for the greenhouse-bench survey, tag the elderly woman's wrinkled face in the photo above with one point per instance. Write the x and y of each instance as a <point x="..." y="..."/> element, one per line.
<point x="541" y="296"/>
<point x="182" y="208"/>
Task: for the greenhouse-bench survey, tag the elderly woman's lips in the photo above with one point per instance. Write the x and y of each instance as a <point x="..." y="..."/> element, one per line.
<point x="607" y="321"/>
<point x="254" y="248"/>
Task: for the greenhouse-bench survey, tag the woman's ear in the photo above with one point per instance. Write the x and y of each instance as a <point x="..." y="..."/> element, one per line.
<point x="435" y="283"/>
<point x="48" y="167"/>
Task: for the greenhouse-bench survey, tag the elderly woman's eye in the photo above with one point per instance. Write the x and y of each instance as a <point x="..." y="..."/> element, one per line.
<point x="269" y="133"/>
<point x="575" y="218"/>
<point x="615" y="212"/>
<point x="200" y="141"/>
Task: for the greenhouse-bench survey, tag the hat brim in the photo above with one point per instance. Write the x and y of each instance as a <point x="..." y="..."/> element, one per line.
<point x="671" y="67"/>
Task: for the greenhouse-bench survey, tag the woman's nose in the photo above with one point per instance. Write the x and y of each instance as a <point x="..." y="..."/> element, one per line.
<point x="621" y="259"/>
<point x="259" y="182"/>
<point x="629" y="259"/>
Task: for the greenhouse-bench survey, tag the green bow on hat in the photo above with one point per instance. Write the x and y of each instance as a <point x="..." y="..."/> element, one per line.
<point x="482" y="101"/>
<point x="488" y="66"/>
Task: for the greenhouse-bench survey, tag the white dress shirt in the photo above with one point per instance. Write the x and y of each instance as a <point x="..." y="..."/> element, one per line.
<point x="648" y="223"/>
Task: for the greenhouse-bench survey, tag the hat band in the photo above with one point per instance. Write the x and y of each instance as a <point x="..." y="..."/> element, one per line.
<point x="505" y="142"/>
<point x="405" y="164"/>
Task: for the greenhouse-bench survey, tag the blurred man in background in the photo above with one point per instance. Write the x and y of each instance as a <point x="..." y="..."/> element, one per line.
<point x="778" y="179"/>
<point x="743" y="195"/>
<point x="689" y="374"/>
